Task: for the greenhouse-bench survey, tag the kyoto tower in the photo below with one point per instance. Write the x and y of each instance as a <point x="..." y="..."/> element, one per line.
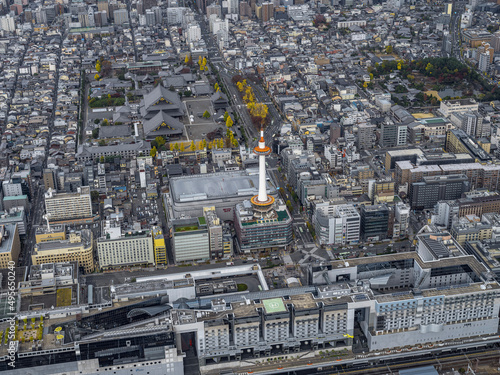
<point x="262" y="203"/>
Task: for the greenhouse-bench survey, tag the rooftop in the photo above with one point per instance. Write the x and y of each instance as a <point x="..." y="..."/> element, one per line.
<point x="215" y="185"/>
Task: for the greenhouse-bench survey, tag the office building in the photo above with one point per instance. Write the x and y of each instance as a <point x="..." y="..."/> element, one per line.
<point x="160" y="248"/>
<point x="125" y="248"/>
<point x="55" y="232"/>
<point x="15" y="215"/>
<point x="480" y="176"/>
<point x="402" y="218"/>
<point x="458" y="141"/>
<point x="472" y="123"/>
<point x="214" y="9"/>
<point x="479" y="203"/>
<point x="10" y="245"/>
<point x="447" y="107"/>
<point x="425" y="194"/>
<point x="233" y="6"/>
<point x="215" y="234"/>
<point x="392" y="134"/>
<point x="444" y="213"/>
<point x="337" y="224"/>
<point x="49" y="179"/>
<point x="190" y="240"/>
<point x="68" y="206"/>
<point x="77" y="248"/>
<point x="374" y="222"/>
<point x="366" y="136"/>
<point x="471" y="228"/>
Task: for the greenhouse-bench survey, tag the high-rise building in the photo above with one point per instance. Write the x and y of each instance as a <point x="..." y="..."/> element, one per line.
<point x="484" y="61"/>
<point x="267" y="11"/>
<point x="7" y="23"/>
<point x="215" y="235"/>
<point x="117" y="248"/>
<point x="68" y="206"/>
<point x="374" y="222"/>
<point x="49" y="181"/>
<point x="120" y="16"/>
<point x="425" y="194"/>
<point x="79" y="247"/>
<point x="471" y="122"/>
<point x="103" y="5"/>
<point x="233" y="7"/>
<point x="214" y="9"/>
<point x="245" y="10"/>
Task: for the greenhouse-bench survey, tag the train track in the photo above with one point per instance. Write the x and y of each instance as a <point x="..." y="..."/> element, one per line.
<point x="458" y="360"/>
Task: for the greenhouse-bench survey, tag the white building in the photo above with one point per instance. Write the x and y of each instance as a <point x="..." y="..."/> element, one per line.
<point x="175" y="15"/>
<point x="337" y="224"/>
<point x="7" y="23"/>
<point x="402" y="216"/>
<point x="190" y="240"/>
<point x="193" y="33"/>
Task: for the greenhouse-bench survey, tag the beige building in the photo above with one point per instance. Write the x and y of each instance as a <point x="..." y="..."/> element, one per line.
<point x="79" y="247"/>
<point x="68" y="206"/>
<point x="54" y="233"/>
<point x="10" y="244"/>
<point x="117" y="249"/>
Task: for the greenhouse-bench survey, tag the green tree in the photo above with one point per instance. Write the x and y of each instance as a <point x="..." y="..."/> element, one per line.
<point x="95" y="133"/>
<point x="388" y="49"/>
<point x="206" y="114"/>
<point x="176" y="146"/>
<point x="153" y="152"/>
